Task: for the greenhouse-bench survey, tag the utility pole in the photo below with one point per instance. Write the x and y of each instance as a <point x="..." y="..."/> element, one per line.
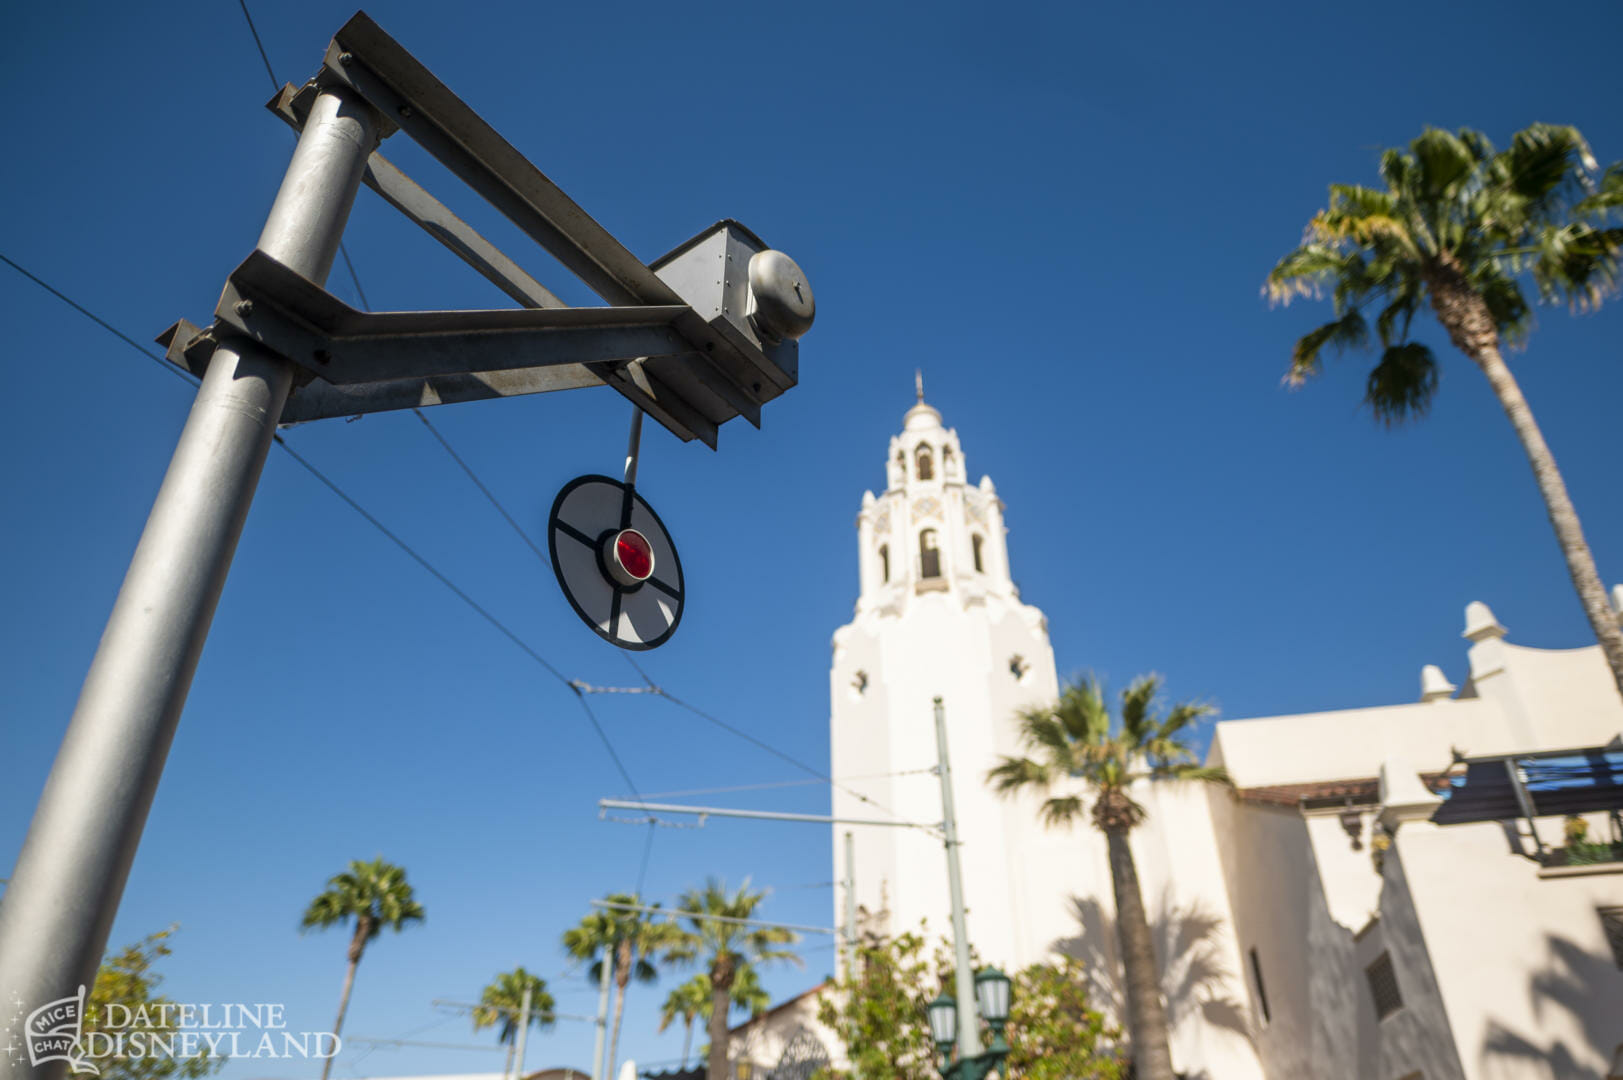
<point x="523" y="1030"/>
<point x="850" y="906"/>
<point x="969" y="1035"/>
<point x="71" y="872"/>
<point x="600" y="1053"/>
<point x="280" y="349"/>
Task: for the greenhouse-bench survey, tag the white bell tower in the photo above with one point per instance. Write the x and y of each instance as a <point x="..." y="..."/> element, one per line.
<point x="937" y="614"/>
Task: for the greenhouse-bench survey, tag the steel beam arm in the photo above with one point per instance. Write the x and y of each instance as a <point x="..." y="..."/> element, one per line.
<point x="435" y="218"/>
<point x="365" y="58"/>
<point x="270" y="304"/>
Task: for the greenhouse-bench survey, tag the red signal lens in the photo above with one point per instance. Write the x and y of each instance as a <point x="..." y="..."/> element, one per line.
<point x="634" y="554"/>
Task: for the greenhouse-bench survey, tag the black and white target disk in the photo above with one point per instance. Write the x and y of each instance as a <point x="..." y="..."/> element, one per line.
<point x="615" y="562"/>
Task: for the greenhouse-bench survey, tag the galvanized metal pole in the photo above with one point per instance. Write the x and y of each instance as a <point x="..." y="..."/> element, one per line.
<point x="600" y="1052"/>
<point x="633" y="447"/>
<point x="969" y="1027"/>
<point x="59" y="906"/>
<point x="850" y="906"/>
<point x="523" y="1031"/>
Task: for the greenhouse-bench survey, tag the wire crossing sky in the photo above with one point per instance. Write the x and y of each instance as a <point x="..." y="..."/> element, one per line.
<point x="1062" y="215"/>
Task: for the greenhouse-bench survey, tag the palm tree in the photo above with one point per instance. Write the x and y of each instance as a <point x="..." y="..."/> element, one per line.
<point x="1455" y="228"/>
<point x="729" y="950"/>
<point x="375" y="895"/>
<point x="1075" y="740"/>
<point x="502" y="1002"/>
<point x="636" y="940"/>
<point x="692" y="999"/>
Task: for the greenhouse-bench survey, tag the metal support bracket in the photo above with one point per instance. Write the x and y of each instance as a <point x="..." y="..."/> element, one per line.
<point x="681" y="340"/>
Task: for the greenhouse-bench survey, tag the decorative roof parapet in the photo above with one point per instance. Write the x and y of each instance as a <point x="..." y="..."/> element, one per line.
<point x="1434" y="685"/>
<point x="1403" y="796"/>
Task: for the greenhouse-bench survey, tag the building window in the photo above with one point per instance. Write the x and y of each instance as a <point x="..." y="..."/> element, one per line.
<point x="884" y="563"/>
<point x="929" y="555"/>
<point x="1383" y="986"/>
<point x="976" y="543"/>
<point x="1612" y="920"/>
<point x="901" y="464"/>
<point x="1018" y="666"/>
<point x="926" y="464"/>
<point x="1262" y="991"/>
<point x="948" y="462"/>
<point x="859" y="682"/>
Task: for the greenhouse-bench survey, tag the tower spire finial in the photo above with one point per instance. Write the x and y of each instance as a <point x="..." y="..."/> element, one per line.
<point x="918" y="383"/>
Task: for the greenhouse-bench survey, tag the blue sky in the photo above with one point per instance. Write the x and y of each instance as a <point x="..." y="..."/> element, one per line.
<point x="1061" y="215"/>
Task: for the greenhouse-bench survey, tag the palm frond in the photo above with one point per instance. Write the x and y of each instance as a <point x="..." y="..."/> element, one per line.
<point x="1043" y="730"/>
<point x="1083" y="712"/>
<point x="1546" y="162"/>
<point x="1303" y="271"/>
<point x="1402" y="385"/>
<point x="1392" y="324"/>
<point x="1608" y="194"/>
<point x="1135" y="710"/>
<point x="1061" y="810"/>
<point x="1444" y="159"/>
<point x="1012" y="774"/>
<point x="1181" y="715"/>
<point x="1210" y="774"/>
<point x="1504" y="301"/>
<point x="1578" y="263"/>
<point x="1348" y="332"/>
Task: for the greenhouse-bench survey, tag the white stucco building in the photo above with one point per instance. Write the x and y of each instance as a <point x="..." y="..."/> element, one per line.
<point x="1289" y="950"/>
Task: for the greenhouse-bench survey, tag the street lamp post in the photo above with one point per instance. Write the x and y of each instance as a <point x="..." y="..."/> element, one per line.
<point x="991" y="1003"/>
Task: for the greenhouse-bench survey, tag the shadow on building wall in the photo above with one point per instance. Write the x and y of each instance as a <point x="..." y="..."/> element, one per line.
<point x="1579" y="982"/>
<point x="1194" y="975"/>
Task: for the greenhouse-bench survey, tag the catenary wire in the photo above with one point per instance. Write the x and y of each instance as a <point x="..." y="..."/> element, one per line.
<point x="332" y="486"/>
<point x="574" y="685"/>
<point x="276" y="85"/>
<point x="103" y="323"/>
<point x="523" y="535"/>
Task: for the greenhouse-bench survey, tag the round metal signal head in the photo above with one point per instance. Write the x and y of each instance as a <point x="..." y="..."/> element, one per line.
<point x="615" y="562"/>
<point x="629" y="557"/>
<point x="782" y="305"/>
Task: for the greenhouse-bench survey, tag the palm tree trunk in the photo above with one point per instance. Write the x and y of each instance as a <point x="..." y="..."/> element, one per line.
<point x="721" y="985"/>
<point x="357" y="945"/>
<point x="1146" y="1015"/>
<point x="1464" y="315"/>
<point x="512" y="1048"/>
<point x="614" y="1036"/>
<point x="687" y="1042"/>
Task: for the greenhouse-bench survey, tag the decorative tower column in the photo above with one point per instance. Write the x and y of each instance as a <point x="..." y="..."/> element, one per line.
<point x="937" y="613"/>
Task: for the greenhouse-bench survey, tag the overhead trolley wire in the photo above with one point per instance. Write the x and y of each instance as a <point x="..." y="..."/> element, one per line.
<point x="483" y="490"/>
<point x="574" y="684"/>
<point x="101" y="322"/>
<point x="276" y="86"/>
<point x="579" y="687"/>
<point x="349" y="500"/>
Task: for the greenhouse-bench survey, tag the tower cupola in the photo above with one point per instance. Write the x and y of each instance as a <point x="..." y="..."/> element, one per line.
<point x="930" y="531"/>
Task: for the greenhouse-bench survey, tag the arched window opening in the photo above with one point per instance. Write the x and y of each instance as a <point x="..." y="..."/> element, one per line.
<point x="884" y="563"/>
<point x="976" y="541"/>
<point x="901" y="464"/>
<point x="1018" y="667"/>
<point x="929" y="555"/>
<point x="926" y="464"/>
<point x="949" y="463"/>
